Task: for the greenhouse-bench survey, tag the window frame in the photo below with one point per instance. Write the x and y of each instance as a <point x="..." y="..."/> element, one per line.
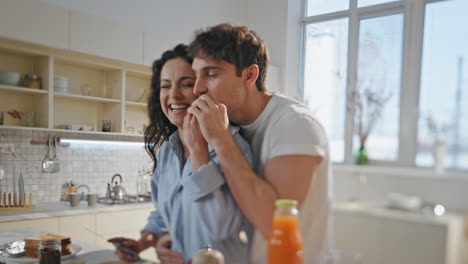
<point x="413" y="12"/>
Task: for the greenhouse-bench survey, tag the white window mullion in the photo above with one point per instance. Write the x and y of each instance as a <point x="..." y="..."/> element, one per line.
<point x="409" y="102"/>
<point x="353" y="46"/>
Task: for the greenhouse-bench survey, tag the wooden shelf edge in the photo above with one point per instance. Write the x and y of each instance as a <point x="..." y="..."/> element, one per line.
<point x="22" y="89"/>
<point x="85" y="98"/>
<point x="82" y="134"/>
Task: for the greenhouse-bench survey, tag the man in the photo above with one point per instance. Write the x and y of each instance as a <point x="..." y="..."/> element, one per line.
<point x="290" y="148"/>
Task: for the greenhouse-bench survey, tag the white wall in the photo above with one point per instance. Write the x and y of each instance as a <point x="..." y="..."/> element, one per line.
<point x="278" y="23"/>
<point x="167" y="23"/>
<point x="172" y="21"/>
<point x="448" y="189"/>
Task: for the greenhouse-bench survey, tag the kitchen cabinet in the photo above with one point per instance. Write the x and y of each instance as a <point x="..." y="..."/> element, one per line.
<point x="93" y="35"/>
<point x="49" y="224"/>
<point x="385" y="237"/>
<point x="33" y="21"/>
<point x="118" y="89"/>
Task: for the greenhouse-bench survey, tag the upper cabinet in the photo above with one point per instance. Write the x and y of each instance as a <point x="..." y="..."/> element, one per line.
<point x="32" y="21"/>
<point x="93" y="35"/>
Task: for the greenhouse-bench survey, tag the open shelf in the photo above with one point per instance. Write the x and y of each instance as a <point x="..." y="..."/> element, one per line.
<point x="85" y="98"/>
<point x="115" y="90"/>
<point x="134" y="104"/>
<point x="21" y="89"/>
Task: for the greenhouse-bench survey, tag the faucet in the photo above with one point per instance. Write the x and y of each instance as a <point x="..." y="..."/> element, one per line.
<point x="82" y="193"/>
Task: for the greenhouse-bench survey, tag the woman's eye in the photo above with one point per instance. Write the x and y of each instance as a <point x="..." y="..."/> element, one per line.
<point x="187" y="84"/>
<point x="165" y="86"/>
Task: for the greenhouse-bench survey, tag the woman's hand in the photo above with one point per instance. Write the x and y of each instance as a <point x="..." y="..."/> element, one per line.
<point x="195" y="142"/>
<point x="129" y="243"/>
<point x="165" y="254"/>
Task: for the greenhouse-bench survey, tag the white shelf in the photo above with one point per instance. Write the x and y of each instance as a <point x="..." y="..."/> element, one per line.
<point x="21" y="89"/>
<point x="114" y="135"/>
<point x="85" y="98"/>
<point x="110" y="81"/>
<point x="136" y="104"/>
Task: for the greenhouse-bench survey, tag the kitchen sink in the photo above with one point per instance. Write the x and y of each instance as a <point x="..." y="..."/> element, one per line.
<point x="129" y="199"/>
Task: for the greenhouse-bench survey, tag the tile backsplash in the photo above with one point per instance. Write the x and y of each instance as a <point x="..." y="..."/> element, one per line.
<point x="92" y="164"/>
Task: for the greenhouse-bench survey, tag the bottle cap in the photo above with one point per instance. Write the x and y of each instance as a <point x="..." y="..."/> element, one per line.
<point x="286" y="203"/>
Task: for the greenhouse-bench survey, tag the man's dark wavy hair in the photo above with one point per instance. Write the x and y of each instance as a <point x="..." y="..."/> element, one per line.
<point x="237" y="45"/>
<point x="160" y="128"/>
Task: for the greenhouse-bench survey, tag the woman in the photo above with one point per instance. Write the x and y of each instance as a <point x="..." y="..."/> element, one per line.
<point x="194" y="205"/>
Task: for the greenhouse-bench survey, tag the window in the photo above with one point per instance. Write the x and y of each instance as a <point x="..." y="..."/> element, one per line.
<point x="410" y="57"/>
<point x="325" y="64"/>
<point x="444" y="84"/>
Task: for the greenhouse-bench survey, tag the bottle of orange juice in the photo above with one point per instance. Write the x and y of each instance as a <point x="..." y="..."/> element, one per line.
<point x="285" y="243"/>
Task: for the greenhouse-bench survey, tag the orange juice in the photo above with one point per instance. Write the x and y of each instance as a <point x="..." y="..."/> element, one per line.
<point x="285" y="243"/>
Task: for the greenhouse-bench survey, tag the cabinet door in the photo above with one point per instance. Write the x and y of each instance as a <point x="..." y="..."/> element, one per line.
<point x="93" y="35"/>
<point x="130" y="221"/>
<point x="81" y="227"/>
<point x="47" y="224"/>
<point x="387" y="241"/>
<point x="35" y="22"/>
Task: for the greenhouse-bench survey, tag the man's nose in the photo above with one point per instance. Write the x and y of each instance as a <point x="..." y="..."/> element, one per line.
<point x="199" y="88"/>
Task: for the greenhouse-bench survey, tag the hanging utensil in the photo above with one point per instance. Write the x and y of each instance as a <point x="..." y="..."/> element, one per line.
<point x="56" y="162"/>
<point x="50" y="164"/>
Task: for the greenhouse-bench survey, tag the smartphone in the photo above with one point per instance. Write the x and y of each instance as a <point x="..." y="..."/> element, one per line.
<point x="126" y="250"/>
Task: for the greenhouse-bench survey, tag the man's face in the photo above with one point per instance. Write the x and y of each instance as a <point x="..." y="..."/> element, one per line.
<point x="218" y="79"/>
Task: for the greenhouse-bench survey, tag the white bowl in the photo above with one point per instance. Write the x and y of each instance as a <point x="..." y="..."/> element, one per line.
<point x="73" y="127"/>
<point x="10" y="78"/>
<point x="86" y="128"/>
<point x="61" y="84"/>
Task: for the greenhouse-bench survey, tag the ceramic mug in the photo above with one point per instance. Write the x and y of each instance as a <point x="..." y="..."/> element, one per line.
<point x="75" y="199"/>
<point x="92" y="199"/>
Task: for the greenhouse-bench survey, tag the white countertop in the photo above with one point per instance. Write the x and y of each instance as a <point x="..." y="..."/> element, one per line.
<point x="377" y="210"/>
<point x="56" y="209"/>
<point x="88" y="253"/>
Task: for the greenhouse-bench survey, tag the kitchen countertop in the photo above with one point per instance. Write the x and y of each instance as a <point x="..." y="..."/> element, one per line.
<point x="57" y="209"/>
<point x="89" y="253"/>
<point x="378" y="210"/>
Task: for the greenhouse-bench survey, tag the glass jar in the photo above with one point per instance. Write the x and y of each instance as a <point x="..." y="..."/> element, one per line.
<point x="49" y="251"/>
<point x="285" y="243"/>
<point x="32" y="81"/>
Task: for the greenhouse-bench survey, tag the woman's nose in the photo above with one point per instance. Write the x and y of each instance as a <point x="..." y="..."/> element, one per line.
<point x="175" y="92"/>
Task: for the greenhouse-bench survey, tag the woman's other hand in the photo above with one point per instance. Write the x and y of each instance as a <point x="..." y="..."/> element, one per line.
<point x="129" y="243"/>
<point x="165" y="254"/>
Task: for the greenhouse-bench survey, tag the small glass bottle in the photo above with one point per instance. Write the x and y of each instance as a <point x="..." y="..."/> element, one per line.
<point x="49" y="251"/>
<point x="285" y="243"/>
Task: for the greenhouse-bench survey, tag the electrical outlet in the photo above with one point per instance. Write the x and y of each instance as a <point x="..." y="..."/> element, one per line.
<point x="6" y="148"/>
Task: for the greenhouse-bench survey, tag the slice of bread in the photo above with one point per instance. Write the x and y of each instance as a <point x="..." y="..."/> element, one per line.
<point x="31" y="245"/>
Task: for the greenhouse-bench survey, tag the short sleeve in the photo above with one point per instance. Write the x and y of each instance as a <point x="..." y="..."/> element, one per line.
<point x="298" y="133"/>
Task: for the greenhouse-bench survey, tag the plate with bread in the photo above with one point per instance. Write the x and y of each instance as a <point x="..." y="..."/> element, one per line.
<point x="31" y="249"/>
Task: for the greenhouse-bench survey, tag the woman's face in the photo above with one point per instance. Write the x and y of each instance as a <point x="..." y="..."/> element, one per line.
<point x="176" y="94"/>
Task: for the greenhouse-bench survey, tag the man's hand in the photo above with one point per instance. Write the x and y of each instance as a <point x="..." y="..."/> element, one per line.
<point x="196" y="144"/>
<point x="129" y="243"/>
<point x="165" y="254"/>
<point x="212" y="117"/>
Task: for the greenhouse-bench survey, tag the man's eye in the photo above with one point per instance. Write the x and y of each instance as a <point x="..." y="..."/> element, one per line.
<point x="212" y="74"/>
<point x="187" y="84"/>
<point x="165" y="87"/>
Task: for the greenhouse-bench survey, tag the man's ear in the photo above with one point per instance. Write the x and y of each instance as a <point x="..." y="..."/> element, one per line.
<point x="250" y="75"/>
